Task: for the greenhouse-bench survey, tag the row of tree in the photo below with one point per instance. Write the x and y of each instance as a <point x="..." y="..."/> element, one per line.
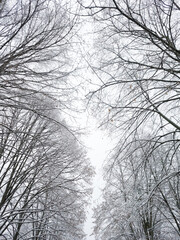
<point x="138" y="70"/>
<point x="43" y="181"/>
<point x="44" y="172"/>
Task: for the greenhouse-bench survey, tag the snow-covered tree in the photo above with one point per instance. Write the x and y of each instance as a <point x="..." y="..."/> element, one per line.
<point x="141" y="197"/>
<point x="44" y="172"/>
<point x="44" y="179"/>
<point x="136" y="67"/>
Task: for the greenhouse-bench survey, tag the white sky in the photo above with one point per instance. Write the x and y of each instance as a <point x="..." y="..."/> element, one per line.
<point x="96" y="141"/>
<point x="97" y="153"/>
<point x="98" y="145"/>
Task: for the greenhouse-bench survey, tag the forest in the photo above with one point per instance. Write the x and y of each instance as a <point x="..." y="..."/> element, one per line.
<point x="118" y="59"/>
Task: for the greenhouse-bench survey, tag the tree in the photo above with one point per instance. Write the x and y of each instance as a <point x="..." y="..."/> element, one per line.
<point x="138" y="97"/>
<point x="44" y="172"/>
<point x="43" y="179"/>
<point x="141" y="197"/>
<point x="139" y="64"/>
<point x="35" y="37"/>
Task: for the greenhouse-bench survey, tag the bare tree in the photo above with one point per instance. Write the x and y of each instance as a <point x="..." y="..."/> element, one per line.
<point x="137" y="73"/>
<point x="43" y="179"/>
<point x="141" y="196"/>
<point x="44" y="172"/>
<point x="35" y="37"/>
<point x="139" y="65"/>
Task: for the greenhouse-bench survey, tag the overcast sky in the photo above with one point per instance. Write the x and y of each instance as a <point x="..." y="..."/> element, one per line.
<point x="98" y="146"/>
